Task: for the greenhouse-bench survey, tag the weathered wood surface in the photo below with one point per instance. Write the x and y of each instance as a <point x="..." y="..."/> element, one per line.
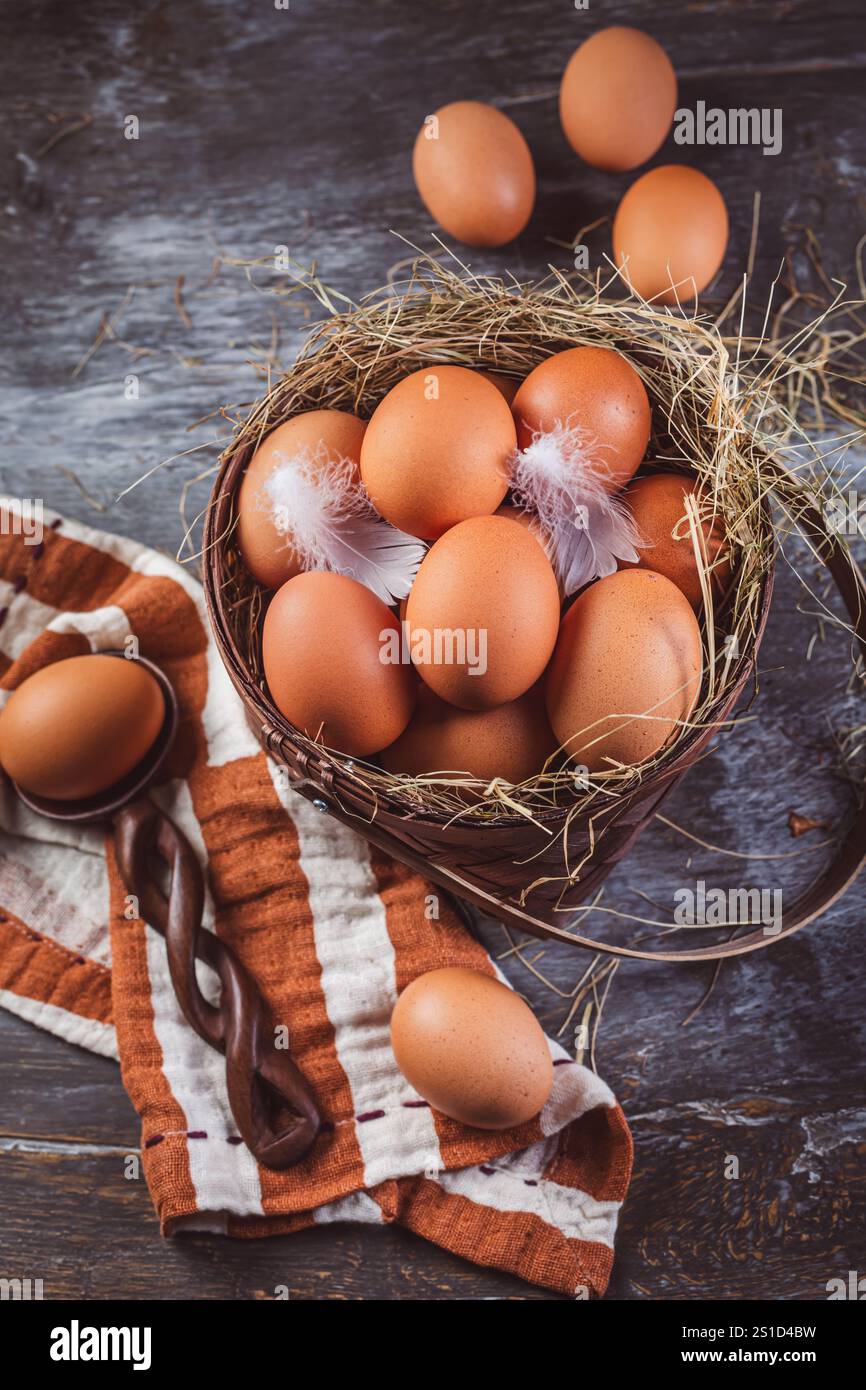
<point x="260" y="128"/>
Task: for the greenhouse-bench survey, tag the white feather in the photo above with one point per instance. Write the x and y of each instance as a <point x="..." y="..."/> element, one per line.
<point x="562" y="477"/>
<point x="317" y="503"/>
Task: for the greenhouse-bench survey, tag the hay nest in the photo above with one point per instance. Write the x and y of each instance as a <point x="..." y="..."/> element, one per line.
<point x="718" y="413"/>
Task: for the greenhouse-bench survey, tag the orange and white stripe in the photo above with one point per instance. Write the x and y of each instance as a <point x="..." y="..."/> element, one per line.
<point x="332" y="930"/>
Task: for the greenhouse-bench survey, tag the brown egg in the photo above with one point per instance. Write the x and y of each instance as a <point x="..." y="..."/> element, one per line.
<point x="505" y="385"/>
<point x="594" y="388"/>
<point x="483" y="613"/>
<point x="617" y="99"/>
<point x="670" y="234"/>
<point x="628" y="646"/>
<point x="472" y="1048"/>
<point x="325" y="645"/>
<point x="523" y="518"/>
<point x="657" y="503"/>
<point x="512" y="742"/>
<point x="322" y="435"/>
<point x="437" y="450"/>
<point x="474" y="173"/>
<point x="74" y="728"/>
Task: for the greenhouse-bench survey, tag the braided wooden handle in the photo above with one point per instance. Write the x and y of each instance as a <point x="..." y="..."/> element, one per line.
<point x="270" y="1099"/>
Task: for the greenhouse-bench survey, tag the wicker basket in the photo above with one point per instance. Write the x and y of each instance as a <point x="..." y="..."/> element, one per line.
<point x="492" y="864"/>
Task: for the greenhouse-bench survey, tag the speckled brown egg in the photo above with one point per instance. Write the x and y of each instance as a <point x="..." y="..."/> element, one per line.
<point x="474" y="172"/>
<point x="657" y="503"/>
<point x="76" y="727"/>
<point x="472" y="1048"/>
<point x="437" y="450"/>
<point x="629" y="646"/>
<point x="488" y="585"/>
<point x="323" y="644"/>
<point x="617" y="99"/>
<point x="512" y="741"/>
<point x="670" y="234"/>
<point x="320" y="435"/>
<point x="523" y="518"/>
<point x="598" y="390"/>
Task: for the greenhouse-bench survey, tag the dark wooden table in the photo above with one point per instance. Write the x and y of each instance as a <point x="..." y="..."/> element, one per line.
<point x="261" y="127"/>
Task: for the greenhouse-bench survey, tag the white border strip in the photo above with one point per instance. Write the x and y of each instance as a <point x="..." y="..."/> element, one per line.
<point x="84" y="1032"/>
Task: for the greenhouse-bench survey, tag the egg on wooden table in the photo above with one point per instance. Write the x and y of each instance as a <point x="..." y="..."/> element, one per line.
<point x="670" y="234"/>
<point x="437" y="450"/>
<point x="483" y="613"/>
<point x="315" y="437"/>
<point x="325" y="649"/>
<point x="75" y="728"/>
<point x="474" y="172"/>
<point x="627" y="668"/>
<point x="472" y="1048"/>
<point x="617" y="98"/>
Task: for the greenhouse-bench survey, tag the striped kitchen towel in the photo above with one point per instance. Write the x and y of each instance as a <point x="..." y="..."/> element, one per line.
<point x="332" y="931"/>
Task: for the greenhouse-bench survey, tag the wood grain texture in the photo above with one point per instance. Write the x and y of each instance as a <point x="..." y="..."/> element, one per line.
<point x="261" y="128"/>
